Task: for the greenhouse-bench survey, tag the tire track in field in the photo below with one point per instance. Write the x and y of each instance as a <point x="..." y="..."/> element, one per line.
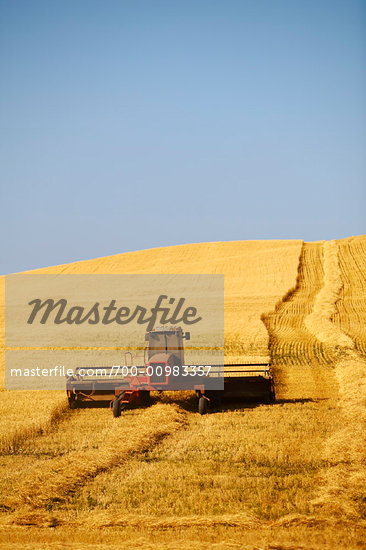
<point x="51" y="484"/>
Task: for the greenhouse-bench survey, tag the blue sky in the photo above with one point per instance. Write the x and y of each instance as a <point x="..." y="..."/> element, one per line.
<point x="134" y="124"/>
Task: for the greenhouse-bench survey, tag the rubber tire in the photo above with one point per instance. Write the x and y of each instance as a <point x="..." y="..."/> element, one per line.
<point x="202" y="405"/>
<point x="145" y="398"/>
<point x="116" y="408"/>
<point x="73" y="404"/>
<point x="270" y="398"/>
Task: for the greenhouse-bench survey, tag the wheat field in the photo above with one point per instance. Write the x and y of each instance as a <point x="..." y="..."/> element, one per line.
<point x="288" y="475"/>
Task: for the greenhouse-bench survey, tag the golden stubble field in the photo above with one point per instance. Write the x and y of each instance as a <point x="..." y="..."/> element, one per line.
<point x="288" y="475"/>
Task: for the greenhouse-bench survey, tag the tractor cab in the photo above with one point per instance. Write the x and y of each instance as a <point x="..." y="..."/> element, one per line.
<point x="165" y="349"/>
<point x="167" y="342"/>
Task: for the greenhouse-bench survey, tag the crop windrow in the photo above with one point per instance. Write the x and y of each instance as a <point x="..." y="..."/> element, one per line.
<point x="47" y="486"/>
<point x="344" y="481"/>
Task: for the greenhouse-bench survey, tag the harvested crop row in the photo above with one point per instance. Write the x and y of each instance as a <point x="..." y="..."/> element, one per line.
<point x="319" y="322"/>
<point x="302" y="365"/>
<point x="350" y="314"/>
<point x="24" y="416"/>
<point x="81" y="430"/>
<point x="345" y="480"/>
<point x="291" y="343"/>
<point x="50" y="484"/>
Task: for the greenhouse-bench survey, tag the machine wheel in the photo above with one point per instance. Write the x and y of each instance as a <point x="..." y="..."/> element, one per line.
<point x="73" y="404"/>
<point x="117" y="408"/>
<point x="270" y="398"/>
<point x="202" y="405"/>
<point x="145" y="398"/>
